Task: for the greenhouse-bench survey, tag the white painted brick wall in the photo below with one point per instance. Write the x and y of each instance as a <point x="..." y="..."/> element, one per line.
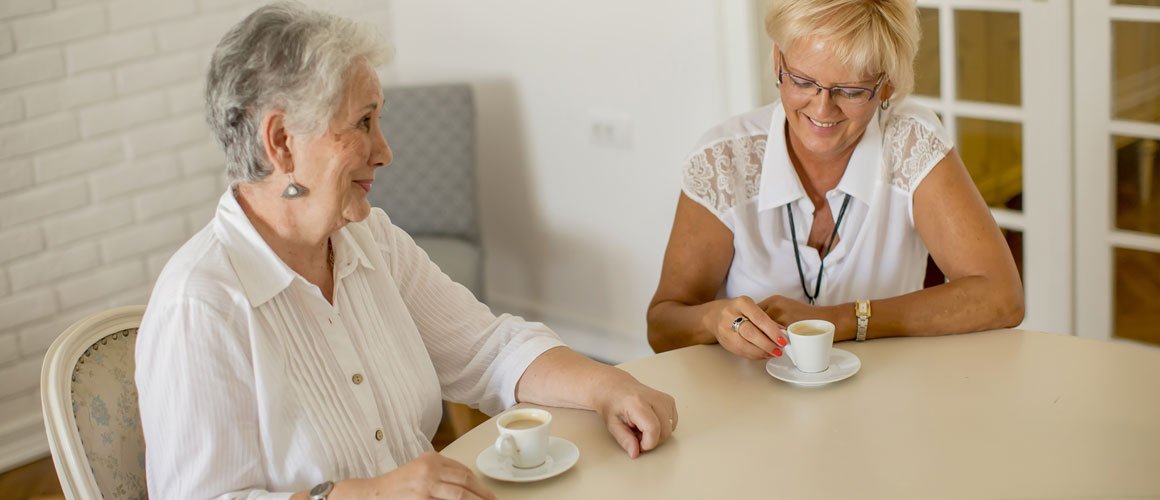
<point x="125" y="113"/>
<point x="114" y="182"/>
<point x="15" y="175"/>
<point x="90" y="221"/>
<point x="99" y="283"/>
<point x="20" y="377"/>
<point x="167" y="136"/>
<point x="39" y="202"/>
<point x="34" y="135"/>
<point x="109" y="50"/>
<point x="60" y="26"/>
<point x="49" y="266"/>
<point x="80" y="158"/>
<point x="67" y="94"/>
<point x="6" y="46"/>
<point x="28" y="67"/>
<point x="106" y="164"/>
<point x="11" y="109"/>
<point x="142" y="238"/>
<point x="129" y="13"/>
<point x="14" y="8"/>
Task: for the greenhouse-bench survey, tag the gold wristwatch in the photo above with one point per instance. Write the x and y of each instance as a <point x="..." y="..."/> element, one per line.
<point x="862" y="311"/>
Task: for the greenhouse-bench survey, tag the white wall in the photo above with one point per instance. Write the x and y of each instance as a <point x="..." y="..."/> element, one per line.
<point x="106" y="167"/>
<point x="575" y="232"/>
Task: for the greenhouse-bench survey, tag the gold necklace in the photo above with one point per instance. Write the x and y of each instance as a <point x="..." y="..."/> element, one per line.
<point x="329" y="256"/>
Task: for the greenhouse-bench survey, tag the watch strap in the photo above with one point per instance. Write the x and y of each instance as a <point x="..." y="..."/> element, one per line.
<point x="862" y="311"/>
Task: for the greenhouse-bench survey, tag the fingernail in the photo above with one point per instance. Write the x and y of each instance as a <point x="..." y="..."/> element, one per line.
<point x="781" y="341"/>
<point x="776" y="351"/>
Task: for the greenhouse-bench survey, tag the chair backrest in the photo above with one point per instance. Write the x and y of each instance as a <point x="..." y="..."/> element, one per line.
<point x="90" y="407"/>
<point x="430" y="189"/>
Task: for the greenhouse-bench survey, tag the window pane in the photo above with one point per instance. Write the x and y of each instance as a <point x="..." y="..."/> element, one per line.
<point x="993" y="153"/>
<point x="1137" y="185"/>
<point x="987" y="45"/>
<point x="927" y="77"/>
<point x="1137" y="300"/>
<point x="1136" y="85"/>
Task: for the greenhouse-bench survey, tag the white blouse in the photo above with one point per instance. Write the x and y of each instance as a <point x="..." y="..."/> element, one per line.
<point x="741" y="172"/>
<point x="252" y="385"/>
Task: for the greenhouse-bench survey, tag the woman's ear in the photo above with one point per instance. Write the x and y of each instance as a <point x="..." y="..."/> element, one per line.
<point x="276" y="140"/>
<point x="887" y="91"/>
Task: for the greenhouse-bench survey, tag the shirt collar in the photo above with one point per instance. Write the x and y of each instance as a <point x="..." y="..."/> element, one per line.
<point x="261" y="272"/>
<point x="779" y="181"/>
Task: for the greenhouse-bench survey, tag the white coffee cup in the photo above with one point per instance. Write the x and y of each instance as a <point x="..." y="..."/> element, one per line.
<point x="523" y="436"/>
<point x="809" y="346"/>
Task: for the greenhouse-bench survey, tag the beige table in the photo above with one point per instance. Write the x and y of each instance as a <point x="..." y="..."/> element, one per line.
<point x="1004" y="414"/>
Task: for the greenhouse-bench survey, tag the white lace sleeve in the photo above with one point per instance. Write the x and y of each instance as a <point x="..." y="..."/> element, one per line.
<point x="724" y="173"/>
<point x="915" y="142"/>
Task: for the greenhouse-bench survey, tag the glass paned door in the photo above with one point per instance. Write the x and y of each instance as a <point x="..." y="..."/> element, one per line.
<point x="983" y="66"/>
<point x="1117" y="134"/>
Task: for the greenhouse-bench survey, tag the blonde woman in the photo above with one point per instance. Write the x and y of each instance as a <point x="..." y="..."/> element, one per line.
<point x="826" y="203"/>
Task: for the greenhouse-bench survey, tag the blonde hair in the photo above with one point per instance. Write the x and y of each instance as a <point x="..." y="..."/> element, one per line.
<point x="870" y="36"/>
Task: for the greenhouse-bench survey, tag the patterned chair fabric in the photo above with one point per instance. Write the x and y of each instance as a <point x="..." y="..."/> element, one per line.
<point x="104" y="400"/>
<point x="430" y="189"/>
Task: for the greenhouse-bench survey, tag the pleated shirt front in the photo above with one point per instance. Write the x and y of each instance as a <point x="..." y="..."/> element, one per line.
<point x="252" y="385"/>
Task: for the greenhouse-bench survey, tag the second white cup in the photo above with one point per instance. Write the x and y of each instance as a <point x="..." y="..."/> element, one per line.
<point x="809" y="346"/>
<point x="523" y="436"/>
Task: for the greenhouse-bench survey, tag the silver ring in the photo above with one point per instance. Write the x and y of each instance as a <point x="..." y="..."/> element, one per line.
<point x="738" y="322"/>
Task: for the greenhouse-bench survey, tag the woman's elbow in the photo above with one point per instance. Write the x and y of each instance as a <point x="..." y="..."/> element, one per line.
<point x="1011" y="306"/>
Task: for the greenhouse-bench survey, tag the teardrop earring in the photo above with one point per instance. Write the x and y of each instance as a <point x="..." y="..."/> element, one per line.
<point x="885" y="104"/>
<point x="294" y="189"/>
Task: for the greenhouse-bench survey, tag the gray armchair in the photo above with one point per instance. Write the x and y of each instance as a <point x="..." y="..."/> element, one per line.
<point x="430" y="189"/>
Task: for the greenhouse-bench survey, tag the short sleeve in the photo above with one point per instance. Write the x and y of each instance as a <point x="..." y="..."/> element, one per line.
<point x="723" y="173"/>
<point x="915" y="141"/>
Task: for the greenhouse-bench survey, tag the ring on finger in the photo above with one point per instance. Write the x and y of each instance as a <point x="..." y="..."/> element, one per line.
<point x="738" y="322"/>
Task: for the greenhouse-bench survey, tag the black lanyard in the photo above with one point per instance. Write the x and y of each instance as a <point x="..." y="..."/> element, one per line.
<point x="822" y="255"/>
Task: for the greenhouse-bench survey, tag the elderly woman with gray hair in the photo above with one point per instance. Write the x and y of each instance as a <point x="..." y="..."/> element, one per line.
<point x="299" y="346"/>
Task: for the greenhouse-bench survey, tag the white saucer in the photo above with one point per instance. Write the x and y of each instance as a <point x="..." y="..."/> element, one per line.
<point x="843" y="365"/>
<point x="562" y="455"/>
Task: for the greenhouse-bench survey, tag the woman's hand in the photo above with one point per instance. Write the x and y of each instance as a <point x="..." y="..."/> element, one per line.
<point x="430" y="476"/>
<point x="639" y="417"/>
<point x="757" y="337"/>
<point x="786" y="311"/>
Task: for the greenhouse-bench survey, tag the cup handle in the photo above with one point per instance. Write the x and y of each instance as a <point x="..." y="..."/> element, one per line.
<point x="789" y="353"/>
<point x="505" y="445"/>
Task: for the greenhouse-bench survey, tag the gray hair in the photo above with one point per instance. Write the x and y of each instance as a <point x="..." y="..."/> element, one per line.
<point x="282" y="56"/>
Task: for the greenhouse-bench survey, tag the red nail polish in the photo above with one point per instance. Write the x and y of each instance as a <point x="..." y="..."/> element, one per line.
<point x="781" y="341"/>
<point x="776" y="351"/>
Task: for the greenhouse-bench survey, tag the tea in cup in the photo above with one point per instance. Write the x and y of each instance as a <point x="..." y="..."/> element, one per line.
<point x="809" y="346"/>
<point x="523" y="436"/>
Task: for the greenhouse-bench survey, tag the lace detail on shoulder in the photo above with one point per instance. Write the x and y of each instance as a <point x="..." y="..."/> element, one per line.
<point x="725" y="173"/>
<point x="912" y="148"/>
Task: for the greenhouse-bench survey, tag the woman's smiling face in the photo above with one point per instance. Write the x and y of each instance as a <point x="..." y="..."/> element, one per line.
<point x="339" y="164"/>
<point x="821" y="124"/>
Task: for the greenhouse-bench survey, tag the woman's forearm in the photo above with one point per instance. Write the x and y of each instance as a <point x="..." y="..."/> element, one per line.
<point x="968" y="304"/>
<point x="672" y="325"/>
<point x="564" y="378"/>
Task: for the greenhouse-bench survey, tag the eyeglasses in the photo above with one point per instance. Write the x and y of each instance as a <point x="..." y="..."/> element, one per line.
<point x="804" y="88"/>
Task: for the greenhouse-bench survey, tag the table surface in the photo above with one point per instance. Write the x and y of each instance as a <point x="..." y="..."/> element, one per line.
<point x="1001" y="414"/>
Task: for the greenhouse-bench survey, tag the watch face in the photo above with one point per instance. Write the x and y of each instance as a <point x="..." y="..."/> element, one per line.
<point x="322" y="489"/>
